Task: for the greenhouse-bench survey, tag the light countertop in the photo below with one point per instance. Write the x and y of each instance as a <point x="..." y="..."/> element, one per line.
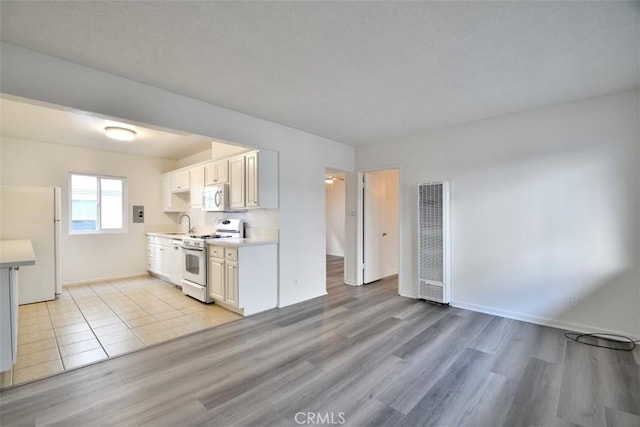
<point x="224" y="241"/>
<point x="169" y="235"/>
<point x="233" y="242"/>
<point x="16" y="253"/>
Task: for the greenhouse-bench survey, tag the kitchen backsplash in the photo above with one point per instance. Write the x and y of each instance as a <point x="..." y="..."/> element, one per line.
<point x="258" y="223"/>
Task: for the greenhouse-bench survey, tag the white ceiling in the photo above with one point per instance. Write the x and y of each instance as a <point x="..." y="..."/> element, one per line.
<point x="355" y="72"/>
<point x="27" y="121"/>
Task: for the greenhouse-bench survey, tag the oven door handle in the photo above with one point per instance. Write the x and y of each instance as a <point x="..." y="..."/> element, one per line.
<point x="193" y="249"/>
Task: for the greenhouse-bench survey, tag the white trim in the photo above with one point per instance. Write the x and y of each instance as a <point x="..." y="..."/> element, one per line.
<point x="125" y="205"/>
<point x="350" y="283"/>
<point x="408" y="296"/>
<point x="325" y="293"/>
<point x="108" y="279"/>
<point x="359" y="230"/>
<point x="340" y="256"/>
<point x="574" y="327"/>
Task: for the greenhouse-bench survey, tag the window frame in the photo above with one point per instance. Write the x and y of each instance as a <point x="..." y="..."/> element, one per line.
<point x="100" y="230"/>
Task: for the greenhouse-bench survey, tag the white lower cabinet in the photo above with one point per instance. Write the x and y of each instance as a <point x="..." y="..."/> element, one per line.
<point x="223" y="276"/>
<point x="216" y="278"/>
<point x="231" y="283"/>
<point x="244" y="279"/>
<point x="159" y="261"/>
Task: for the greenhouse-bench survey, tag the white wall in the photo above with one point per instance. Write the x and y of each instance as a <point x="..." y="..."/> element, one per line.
<point x="220" y="150"/>
<point x="544" y="211"/>
<point x="303" y="157"/>
<point x="335" y="196"/>
<point x="202" y="156"/>
<point x="91" y="257"/>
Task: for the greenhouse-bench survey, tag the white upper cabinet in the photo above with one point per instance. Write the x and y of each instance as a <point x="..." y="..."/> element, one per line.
<point x="180" y="181"/>
<point x="172" y="202"/>
<point x="196" y="187"/>
<point x="216" y="172"/>
<point x="253" y="180"/>
<point x="236" y="182"/>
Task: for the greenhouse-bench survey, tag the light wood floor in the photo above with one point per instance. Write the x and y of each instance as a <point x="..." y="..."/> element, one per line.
<point x="363" y="355"/>
<point x="92" y="322"/>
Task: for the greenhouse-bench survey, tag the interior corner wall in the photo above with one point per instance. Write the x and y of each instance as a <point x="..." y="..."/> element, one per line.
<point x="303" y="157"/>
<point x="544" y="211"/>
<point x="335" y="218"/>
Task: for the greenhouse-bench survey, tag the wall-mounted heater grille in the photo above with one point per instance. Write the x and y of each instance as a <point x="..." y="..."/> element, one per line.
<point x="434" y="242"/>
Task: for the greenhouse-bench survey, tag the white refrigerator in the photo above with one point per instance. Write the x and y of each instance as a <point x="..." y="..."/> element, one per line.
<point x="34" y="213"/>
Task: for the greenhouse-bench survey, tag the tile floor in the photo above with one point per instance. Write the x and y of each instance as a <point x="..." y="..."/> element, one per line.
<point x="88" y="323"/>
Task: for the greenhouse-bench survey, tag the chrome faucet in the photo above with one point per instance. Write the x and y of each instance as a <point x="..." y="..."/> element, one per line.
<point x="189" y="223"/>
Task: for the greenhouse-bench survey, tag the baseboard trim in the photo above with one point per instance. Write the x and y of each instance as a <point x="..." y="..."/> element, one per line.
<point x="338" y="255"/>
<point x="90" y="281"/>
<point x="408" y="296"/>
<point x="577" y="327"/>
<point x="322" y="294"/>
<point x="350" y="283"/>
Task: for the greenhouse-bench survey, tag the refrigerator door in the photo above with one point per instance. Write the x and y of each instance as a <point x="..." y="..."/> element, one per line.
<point x="57" y="235"/>
<point x="28" y="213"/>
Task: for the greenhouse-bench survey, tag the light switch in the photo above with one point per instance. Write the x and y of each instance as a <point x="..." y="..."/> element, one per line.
<point x="138" y="213"/>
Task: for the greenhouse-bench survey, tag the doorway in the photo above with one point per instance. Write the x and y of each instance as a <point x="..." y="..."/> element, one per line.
<point x="336" y="241"/>
<point x="380" y="225"/>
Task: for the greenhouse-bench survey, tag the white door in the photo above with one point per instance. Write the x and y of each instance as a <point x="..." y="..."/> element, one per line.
<point x="374" y="227"/>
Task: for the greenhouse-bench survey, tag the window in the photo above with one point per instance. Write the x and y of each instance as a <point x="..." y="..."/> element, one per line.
<point x="97" y="204"/>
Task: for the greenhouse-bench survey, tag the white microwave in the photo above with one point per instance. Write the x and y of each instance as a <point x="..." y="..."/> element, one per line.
<point x="215" y="198"/>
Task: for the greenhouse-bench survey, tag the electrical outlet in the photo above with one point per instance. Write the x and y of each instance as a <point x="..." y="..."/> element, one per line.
<point x="573" y="301"/>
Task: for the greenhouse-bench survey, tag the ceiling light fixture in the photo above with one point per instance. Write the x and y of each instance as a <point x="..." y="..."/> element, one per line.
<point x="331" y="179"/>
<point x="120" y="133"/>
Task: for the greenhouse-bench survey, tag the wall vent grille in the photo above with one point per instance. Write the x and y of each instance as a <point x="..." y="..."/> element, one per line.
<point x="433" y="226"/>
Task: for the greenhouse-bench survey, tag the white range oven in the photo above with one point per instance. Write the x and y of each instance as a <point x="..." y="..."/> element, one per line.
<point x="194" y="275"/>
